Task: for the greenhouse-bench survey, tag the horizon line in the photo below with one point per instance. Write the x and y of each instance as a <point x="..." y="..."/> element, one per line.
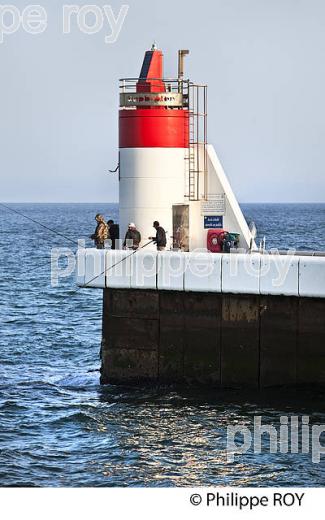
<point x="117" y="202"/>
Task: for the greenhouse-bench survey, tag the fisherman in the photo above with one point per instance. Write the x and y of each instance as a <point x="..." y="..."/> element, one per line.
<point x="132" y="237"/>
<point x="101" y="233"/>
<point x="114" y="232"/>
<point x="160" y="239"/>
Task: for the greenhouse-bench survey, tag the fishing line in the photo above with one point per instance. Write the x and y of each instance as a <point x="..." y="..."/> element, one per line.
<point x="48" y="262"/>
<point x="74" y="242"/>
<point x="39" y="224"/>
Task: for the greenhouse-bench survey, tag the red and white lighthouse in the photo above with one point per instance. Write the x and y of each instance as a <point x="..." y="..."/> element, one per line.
<point x="167" y="171"/>
<point x="153" y="142"/>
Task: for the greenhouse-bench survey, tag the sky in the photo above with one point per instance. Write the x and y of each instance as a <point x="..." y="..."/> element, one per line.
<point x="263" y="61"/>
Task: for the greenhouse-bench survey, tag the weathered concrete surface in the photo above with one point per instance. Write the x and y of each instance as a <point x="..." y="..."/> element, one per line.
<point x="202" y="342"/>
<point x="130" y="336"/>
<point x="278" y="340"/>
<point x="240" y="341"/>
<point x="311" y="341"/>
<point x="171" y="337"/>
<point x="220" y="340"/>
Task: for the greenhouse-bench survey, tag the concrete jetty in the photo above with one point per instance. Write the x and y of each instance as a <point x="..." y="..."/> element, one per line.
<point x="165" y="321"/>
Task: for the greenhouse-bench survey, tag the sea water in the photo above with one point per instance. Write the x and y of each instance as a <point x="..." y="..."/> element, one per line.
<point x="59" y="427"/>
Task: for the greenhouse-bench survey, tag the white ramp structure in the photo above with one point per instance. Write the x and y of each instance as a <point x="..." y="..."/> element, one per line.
<point x="218" y="206"/>
<point x="218" y="183"/>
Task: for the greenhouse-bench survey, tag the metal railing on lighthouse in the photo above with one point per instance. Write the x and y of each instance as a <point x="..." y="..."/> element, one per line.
<point x="180" y="94"/>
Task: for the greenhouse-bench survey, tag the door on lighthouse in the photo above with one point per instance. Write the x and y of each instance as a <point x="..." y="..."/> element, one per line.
<point x="181" y="227"/>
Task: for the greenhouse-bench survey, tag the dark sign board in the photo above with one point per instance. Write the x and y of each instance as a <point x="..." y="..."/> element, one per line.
<point x="214" y="221"/>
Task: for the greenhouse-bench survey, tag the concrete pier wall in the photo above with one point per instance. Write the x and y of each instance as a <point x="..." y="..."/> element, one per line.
<point x="222" y="340"/>
<point x="201" y="271"/>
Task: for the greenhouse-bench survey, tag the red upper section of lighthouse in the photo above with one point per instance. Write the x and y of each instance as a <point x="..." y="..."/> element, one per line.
<point x="153" y="126"/>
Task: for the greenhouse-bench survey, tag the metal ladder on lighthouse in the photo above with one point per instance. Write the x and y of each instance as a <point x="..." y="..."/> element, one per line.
<point x="197" y="150"/>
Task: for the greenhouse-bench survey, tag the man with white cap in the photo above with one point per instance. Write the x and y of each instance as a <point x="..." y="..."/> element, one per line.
<point x="132" y="237"/>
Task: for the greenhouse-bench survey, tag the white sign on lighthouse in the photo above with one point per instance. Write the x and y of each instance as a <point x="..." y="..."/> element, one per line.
<point x="215" y="205"/>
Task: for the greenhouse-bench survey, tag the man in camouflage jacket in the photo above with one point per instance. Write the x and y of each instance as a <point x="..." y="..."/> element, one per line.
<point x="101" y="233"/>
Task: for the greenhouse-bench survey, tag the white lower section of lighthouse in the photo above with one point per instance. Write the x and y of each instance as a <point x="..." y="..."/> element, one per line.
<point x="154" y="180"/>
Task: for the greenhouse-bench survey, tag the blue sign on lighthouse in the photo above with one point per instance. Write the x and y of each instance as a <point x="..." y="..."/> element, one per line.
<point x="214" y="221"/>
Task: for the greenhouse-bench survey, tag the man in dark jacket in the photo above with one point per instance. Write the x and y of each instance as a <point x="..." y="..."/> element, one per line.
<point x="114" y="232"/>
<point x="132" y="238"/>
<point x="160" y="239"/>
